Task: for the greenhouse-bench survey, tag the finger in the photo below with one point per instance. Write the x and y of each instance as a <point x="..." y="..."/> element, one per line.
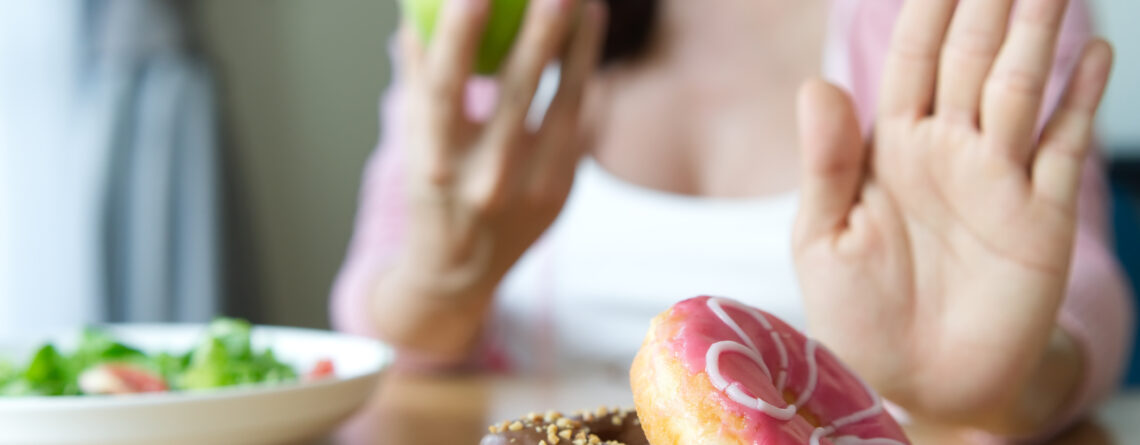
<point x="975" y="36"/>
<point x="541" y="39"/>
<point x="411" y="55"/>
<point x="1067" y="138"/>
<point x="1016" y="86"/>
<point x="431" y="155"/>
<point x="556" y="150"/>
<point x="506" y="138"/>
<point x="833" y="160"/>
<point x="451" y="58"/>
<point x="912" y="63"/>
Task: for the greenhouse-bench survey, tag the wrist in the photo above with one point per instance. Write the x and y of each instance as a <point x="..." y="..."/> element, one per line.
<point x="441" y="288"/>
<point x="424" y="314"/>
<point x="1049" y="390"/>
<point x="1030" y="404"/>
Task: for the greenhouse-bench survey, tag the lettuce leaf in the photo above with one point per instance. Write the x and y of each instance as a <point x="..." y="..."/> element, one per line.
<point x="209" y="367"/>
<point x="96" y="346"/>
<point x="224" y="356"/>
<point x="50" y="373"/>
<point x="234" y="335"/>
<point x="8" y="372"/>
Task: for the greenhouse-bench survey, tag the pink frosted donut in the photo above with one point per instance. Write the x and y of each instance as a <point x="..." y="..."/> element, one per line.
<point x="715" y="371"/>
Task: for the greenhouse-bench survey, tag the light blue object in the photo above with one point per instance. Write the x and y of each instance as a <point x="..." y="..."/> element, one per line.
<point x="1120" y="112"/>
<point x="108" y="167"/>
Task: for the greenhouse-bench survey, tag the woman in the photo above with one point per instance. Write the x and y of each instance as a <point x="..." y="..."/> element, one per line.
<point x="935" y="256"/>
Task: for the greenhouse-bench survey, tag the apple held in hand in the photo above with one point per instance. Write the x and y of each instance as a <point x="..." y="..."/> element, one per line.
<point x="503" y="23"/>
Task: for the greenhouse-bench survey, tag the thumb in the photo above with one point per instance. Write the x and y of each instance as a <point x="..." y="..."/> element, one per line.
<point x="833" y="157"/>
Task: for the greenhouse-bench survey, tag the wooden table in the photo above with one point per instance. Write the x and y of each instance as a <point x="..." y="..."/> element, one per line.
<point x="410" y="410"/>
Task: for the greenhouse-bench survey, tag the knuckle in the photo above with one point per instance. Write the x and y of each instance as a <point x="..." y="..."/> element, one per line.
<point x="438" y="116"/>
<point x="1019" y="81"/>
<point x="487" y="197"/>
<point x="441" y="122"/>
<point x="1043" y="14"/>
<point x="489" y="203"/>
<point x="443" y="90"/>
<point x="516" y="96"/>
<point x="1073" y="144"/>
<point x="1069" y="150"/>
<point x="973" y="44"/>
<point x="442" y="174"/>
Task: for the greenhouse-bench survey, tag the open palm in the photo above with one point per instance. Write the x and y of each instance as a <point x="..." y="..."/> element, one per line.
<point x="934" y="256"/>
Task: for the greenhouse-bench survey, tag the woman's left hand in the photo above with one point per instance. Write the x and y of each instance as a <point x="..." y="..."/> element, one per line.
<point x="934" y="256"/>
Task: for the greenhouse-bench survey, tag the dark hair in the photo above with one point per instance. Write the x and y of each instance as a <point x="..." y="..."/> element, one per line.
<point x="630" y="29"/>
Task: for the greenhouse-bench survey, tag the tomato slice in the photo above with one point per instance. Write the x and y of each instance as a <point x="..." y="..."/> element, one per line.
<point x="119" y="378"/>
<point x="322" y="370"/>
<point x="136" y="379"/>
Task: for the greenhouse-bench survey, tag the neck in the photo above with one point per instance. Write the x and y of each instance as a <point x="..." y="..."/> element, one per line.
<point x="736" y="33"/>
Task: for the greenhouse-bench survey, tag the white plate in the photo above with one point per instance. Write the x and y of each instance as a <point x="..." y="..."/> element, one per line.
<point x="251" y="415"/>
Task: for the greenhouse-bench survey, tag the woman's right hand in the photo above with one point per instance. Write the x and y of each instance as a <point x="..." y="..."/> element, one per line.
<point x="482" y="192"/>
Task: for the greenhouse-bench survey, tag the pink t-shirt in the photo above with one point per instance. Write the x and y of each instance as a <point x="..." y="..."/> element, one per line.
<point x="1096" y="313"/>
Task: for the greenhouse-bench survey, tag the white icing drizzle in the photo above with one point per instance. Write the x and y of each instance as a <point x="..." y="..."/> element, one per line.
<point x="723" y="316"/>
<point x="783" y="376"/>
<point x="820" y="432"/>
<point x="736" y="392"/>
<point x="722" y="346"/>
<point x="813" y="373"/>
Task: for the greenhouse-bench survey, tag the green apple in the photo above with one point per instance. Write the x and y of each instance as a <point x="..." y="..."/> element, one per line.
<point x="503" y="23"/>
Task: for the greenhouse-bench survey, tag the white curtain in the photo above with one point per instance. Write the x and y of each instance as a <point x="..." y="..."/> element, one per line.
<point x="108" y="167"/>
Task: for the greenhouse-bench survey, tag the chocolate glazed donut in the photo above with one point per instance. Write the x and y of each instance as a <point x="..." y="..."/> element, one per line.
<point x="602" y="426"/>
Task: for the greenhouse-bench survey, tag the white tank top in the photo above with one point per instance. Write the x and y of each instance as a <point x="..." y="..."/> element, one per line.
<point x="619" y="254"/>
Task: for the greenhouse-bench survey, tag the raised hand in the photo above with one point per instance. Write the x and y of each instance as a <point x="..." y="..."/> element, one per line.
<point x="934" y="255"/>
<point x="482" y="192"/>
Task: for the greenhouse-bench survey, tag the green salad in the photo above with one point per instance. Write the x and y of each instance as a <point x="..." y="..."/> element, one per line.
<point x="102" y="365"/>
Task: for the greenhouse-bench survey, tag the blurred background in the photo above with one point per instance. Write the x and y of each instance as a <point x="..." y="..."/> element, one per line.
<point x="169" y="160"/>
